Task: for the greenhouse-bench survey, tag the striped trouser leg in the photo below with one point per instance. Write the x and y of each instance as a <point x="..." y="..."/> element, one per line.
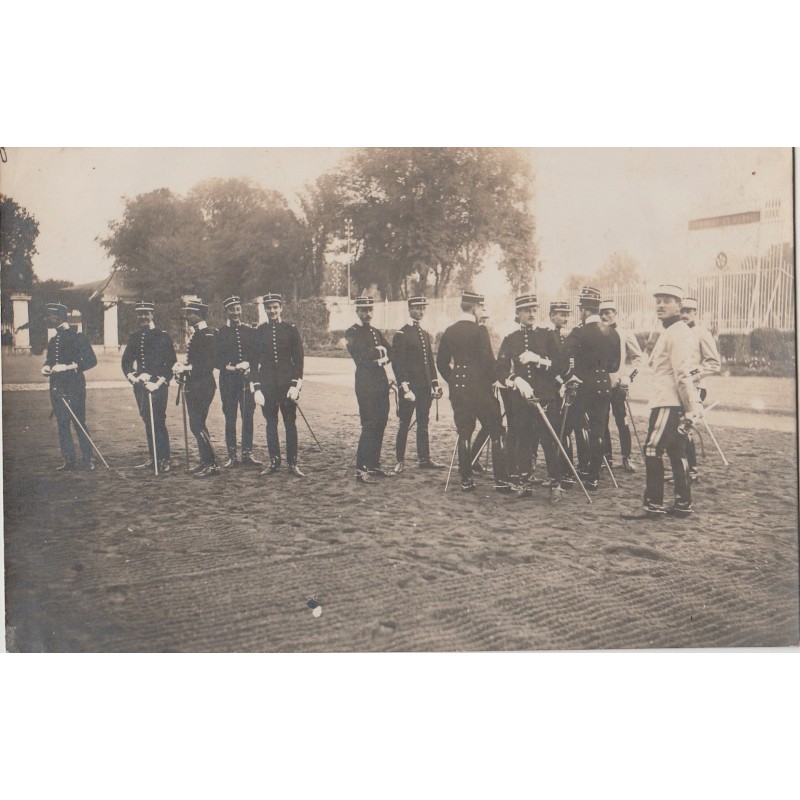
<point x="657" y="433"/>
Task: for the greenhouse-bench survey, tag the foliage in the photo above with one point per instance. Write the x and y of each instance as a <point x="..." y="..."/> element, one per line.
<point x="18" y="232"/>
<point x="226" y="237"/>
<point x="426" y="218"/>
<point x="619" y="268"/>
<point x="772" y="344"/>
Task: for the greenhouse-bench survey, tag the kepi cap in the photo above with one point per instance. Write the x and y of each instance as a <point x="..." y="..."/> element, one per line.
<point x="233" y="300"/>
<point x="418" y="301"/>
<point x="560" y="306"/>
<point x="197" y="307"/>
<point x="272" y="297"/>
<point x="690" y="303"/>
<point x="57" y="308"/>
<point x="472" y="297"/>
<point x="669" y="289"/>
<point x="608" y="305"/>
<point x="364" y="302"/>
<point x="526" y="301"/>
<point x="144" y="305"/>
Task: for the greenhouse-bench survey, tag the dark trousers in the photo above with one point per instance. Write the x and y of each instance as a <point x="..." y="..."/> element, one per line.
<point x="663" y="435"/>
<point x="619" y="412"/>
<point x="526" y="431"/>
<point x="484" y="408"/>
<point x="70" y="386"/>
<point x="235" y="394"/>
<point x="373" y="408"/>
<point x="591" y="415"/>
<point x="199" y="394"/>
<point x="276" y="400"/>
<point x="160" y="397"/>
<point x="422" y="405"/>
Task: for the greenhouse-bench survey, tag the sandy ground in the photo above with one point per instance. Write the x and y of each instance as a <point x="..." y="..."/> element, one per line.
<point x="121" y="561"/>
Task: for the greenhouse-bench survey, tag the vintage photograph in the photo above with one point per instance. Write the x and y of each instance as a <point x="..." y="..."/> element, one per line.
<point x="453" y="399"/>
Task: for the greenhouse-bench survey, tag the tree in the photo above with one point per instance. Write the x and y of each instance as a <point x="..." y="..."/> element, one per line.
<point x="427" y="217"/>
<point x="158" y="244"/>
<point x="18" y="232"/>
<point x="619" y="268"/>
<point x="576" y="280"/>
<point x="253" y="242"/>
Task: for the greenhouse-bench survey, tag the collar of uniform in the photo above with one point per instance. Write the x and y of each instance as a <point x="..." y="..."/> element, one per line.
<point x="412" y="322"/>
<point x="690" y="324"/>
<point x="151" y="326"/>
<point x="230" y="325"/>
<point x="592" y="318"/>
<point x="671" y="320"/>
<point x="201" y="325"/>
<point x="612" y="325"/>
<point x="467" y="317"/>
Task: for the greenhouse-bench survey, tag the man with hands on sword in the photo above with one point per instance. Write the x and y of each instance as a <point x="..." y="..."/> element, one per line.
<point x="235" y="346"/>
<point x="147" y="364"/>
<point x="372" y="354"/>
<point x="674" y="406"/>
<point x="277" y="371"/>
<point x="69" y="355"/>
<point x="528" y="362"/>
<point x="415" y="372"/>
<point x="199" y="387"/>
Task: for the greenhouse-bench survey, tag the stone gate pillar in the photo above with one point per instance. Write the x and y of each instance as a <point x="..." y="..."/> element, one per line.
<point x="21" y="314"/>
<point x="110" y="324"/>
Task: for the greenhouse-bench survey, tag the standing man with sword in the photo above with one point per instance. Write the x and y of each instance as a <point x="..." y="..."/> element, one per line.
<point x="235" y="350"/>
<point x="277" y="378"/>
<point x="415" y="372"/>
<point x="69" y="355"/>
<point x="147" y="364"/>
<point x="199" y="387"/>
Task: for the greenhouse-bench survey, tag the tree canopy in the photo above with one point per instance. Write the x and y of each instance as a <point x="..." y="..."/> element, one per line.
<point x="425" y="218"/>
<point x="18" y="232"/>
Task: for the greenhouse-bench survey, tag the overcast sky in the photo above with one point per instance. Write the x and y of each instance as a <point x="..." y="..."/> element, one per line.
<point x="589" y="202"/>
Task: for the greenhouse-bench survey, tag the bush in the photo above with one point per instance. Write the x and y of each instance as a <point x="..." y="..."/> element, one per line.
<point x="311" y="317"/>
<point x="734" y="347"/>
<point x="772" y="344"/>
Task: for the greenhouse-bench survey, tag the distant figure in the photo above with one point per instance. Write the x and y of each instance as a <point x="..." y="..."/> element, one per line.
<point x="69" y="355"/>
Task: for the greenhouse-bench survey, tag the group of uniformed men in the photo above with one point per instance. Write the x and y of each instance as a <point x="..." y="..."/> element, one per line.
<point x="543" y="389"/>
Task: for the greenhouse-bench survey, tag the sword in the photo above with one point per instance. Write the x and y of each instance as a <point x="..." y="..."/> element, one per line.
<point x="182" y="396"/>
<point x="605" y="460"/>
<point x="538" y="406"/>
<point x="153" y="432"/>
<point x="452" y="461"/>
<point x="297" y="403"/>
<point x="633" y="424"/>
<point x="83" y="430"/>
<point x="716" y="443"/>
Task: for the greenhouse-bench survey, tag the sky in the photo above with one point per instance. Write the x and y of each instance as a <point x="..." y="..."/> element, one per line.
<point x="589" y="202"/>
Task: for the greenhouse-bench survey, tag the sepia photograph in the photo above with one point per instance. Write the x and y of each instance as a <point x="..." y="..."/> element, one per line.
<point x="399" y="399"/>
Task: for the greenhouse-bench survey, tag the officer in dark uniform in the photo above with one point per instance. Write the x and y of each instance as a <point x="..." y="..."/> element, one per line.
<point x="559" y="317"/>
<point x="278" y="377"/>
<point x="372" y="354"/>
<point x="69" y="355"/>
<point x="415" y="372"/>
<point x="153" y="354"/>
<point x="595" y="349"/>
<point x="528" y="362"/>
<point x="199" y="385"/>
<point x="466" y="361"/>
<point x="235" y="346"/>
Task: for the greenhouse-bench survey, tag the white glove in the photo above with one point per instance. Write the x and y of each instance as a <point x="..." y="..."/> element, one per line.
<point x="523" y="387"/>
<point x="143" y="377"/>
<point x="544" y="362"/>
<point x="46" y="370"/>
<point x="624" y="383"/>
<point x="258" y="396"/>
<point x="528" y="357"/>
<point x="230" y="368"/>
<point x="151" y="386"/>
<point x="409" y="395"/>
<point x="60" y="367"/>
<point x="293" y="393"/>
<point x="243" y="365"/>
<point x="498" y="385"/>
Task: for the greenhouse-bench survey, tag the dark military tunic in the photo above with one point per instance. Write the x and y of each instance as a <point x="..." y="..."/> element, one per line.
<point x="70" y="347"/>
<point x="278" y="361"/>
<point x="466" y="361"/>
<point x="200" y="388"/>
<point x="526" y="426"/>
<point x="372" y="391"/>
<point x="151" y="351"/>
<point x="595" y="349"/>
<point x="236" y="343"/>
<point x="413" y="363"/>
